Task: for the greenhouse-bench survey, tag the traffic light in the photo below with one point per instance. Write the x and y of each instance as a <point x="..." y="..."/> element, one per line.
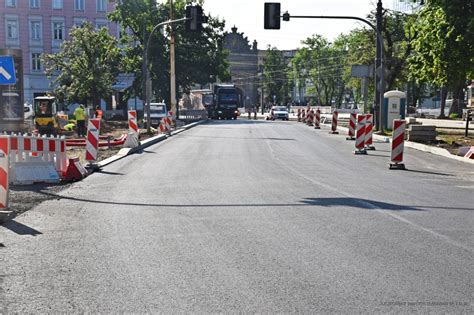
<point x="272" y="15"/>
<point x="195" y="18"/>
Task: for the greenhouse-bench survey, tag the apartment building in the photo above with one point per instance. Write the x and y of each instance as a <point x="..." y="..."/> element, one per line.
<point x="40" y="26"/>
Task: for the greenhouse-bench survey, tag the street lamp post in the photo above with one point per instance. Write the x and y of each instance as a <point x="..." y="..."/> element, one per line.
<point x="147" y="70"/>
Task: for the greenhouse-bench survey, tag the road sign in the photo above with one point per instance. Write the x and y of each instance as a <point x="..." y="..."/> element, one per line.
<point x="7" y="70"/>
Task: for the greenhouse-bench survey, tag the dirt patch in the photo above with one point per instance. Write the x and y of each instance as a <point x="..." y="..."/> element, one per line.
<point x="24" y="198"/>
<point x="452" y="143"/>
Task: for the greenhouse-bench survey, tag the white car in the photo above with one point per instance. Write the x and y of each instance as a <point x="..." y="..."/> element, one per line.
<point x="157" y="112"/>
<point x="279" y="112"/>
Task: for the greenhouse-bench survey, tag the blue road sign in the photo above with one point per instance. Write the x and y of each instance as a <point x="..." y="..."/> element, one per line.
<point x="7" y="70"/>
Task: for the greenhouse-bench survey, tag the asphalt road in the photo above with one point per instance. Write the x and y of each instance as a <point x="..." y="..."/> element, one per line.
<point x="249" y="216"/>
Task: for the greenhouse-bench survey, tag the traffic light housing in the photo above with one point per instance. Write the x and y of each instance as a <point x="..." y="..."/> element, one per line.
<point x="272" y="15"/>
<point x="195" y="18"/>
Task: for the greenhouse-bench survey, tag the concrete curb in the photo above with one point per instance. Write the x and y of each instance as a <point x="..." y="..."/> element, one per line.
<point x="420" y="147"/>
<point x="146" y="143"/>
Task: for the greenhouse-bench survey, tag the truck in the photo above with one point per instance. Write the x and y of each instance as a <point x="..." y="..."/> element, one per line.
<point x="227" y="98"/>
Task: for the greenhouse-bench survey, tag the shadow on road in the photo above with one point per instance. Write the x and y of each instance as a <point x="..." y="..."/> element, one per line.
<point x="20" y="229"/>
<point x="307" y="202"/>
<point x="427" y="172"/>
<point x="109" y="173"/>
<point x="358" y="203"/>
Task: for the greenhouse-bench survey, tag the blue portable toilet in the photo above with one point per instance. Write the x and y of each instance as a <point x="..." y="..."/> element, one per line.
<point x="394" y="107"/>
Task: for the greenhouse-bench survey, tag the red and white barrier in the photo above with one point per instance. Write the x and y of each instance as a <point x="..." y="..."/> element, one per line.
<point x="4" y="170"/>
<point x="369" y="126"/>
<point x="360" y="135"/>
<point x="303" y="115"/>
<point x="352" y="126"/>
<point x="165" y="125"/>
<point x="172" y="117"/>
<point x="335" y="115"/>
<point x="470" y="153"/>
<point x="310" y="118"/>
<point x="317" y="119"/>
<point x="299" y="114"/>
<point x="398" y="143"/>
<point x="92" y="143"/>
<point x="26" y="149"/>
<point x="132" y="121"/>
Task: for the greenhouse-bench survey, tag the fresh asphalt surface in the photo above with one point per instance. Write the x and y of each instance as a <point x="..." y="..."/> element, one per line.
<point x="249" y="216"/>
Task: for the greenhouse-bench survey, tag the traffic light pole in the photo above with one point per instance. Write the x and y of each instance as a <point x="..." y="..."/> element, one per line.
<point x="147" y="70"/>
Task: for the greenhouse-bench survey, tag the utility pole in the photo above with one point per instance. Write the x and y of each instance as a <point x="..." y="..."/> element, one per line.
<point x="380" y="69"/>
<point x="173" y="105"/>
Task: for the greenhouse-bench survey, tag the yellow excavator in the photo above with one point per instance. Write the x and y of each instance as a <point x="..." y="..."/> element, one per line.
<point x="47" y="119"/>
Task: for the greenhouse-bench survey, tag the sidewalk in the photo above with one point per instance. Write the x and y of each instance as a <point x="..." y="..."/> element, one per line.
<point x="445" y="123"/>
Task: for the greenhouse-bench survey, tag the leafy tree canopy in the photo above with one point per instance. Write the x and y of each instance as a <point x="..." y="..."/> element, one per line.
<point x="86" y="67"/>
<point x="200" y="57"/>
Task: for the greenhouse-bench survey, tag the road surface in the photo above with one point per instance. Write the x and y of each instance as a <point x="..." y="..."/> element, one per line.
<point x="249" y="216"/>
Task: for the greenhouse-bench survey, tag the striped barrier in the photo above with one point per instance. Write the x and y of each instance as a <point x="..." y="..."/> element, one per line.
<point x="299" y="114"/>
<point x="369" y="126"/>
<point x="132" y="121"/>
<point x="34" y="149"/>
<point x="352" y="126"/>
<point x="334" y="131"/>
<point x="310" y="118"/>
<point x="303" y="115"/>
<point x="165" y="125"/>
<point x="92" y="143"/>
<point x="4" y="170"/>
<point x="398" y="142"/>
<point x="317" y="119"/>
<point x="360" y="135"/>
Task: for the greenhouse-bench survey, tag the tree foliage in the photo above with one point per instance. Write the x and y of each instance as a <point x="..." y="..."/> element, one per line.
<point x="320" y="67"/>
<point x="275" y="76"/>
<point x="86" y="67"/>
<point x="200" y="57"/>
<point x="443" y="48"/>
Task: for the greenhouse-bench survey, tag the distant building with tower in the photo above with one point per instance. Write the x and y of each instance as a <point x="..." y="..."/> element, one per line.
<point x="243" y="60"/>
<point x="246" y="67"/>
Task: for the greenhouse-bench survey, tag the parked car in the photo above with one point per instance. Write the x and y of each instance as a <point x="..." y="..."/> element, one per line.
<point x="157" y="112"/>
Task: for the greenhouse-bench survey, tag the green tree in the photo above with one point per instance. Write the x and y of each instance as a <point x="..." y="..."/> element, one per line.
<point x="443" y="48"/>
<point x="320" y="66"/>
<point x="275" y="76"/>
<point x="86" y="67"/>
<point x="200" y="57"/>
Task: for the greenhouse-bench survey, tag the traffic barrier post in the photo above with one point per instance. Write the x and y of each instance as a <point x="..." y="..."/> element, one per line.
<point x="4" y="170"/>
<point x="317" y="119"/>
<point x="310" y="118"/>
<point x="360" y="135"/>
<point x="398" y="143"/>
<point x="352" y="126"/>
<point x="92" y="144"/>
<point x="335" y="115"/>
<point x="132" y="121"/>
<point x="369" y="131"/>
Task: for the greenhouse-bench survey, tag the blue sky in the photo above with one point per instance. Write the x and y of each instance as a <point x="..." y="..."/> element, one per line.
<point x="247" y="15"/>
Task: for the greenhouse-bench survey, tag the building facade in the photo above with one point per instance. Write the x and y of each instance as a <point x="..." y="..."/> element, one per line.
<point x="40" y="26"/>
<point x="243" y="60"/>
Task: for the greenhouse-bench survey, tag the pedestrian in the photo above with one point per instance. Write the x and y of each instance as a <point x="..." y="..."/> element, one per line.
<point x="80" y="115"/>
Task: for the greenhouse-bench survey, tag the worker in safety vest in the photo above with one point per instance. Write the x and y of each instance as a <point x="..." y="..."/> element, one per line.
<point x="98" y="112"/>
<point x="80" y="114"/>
